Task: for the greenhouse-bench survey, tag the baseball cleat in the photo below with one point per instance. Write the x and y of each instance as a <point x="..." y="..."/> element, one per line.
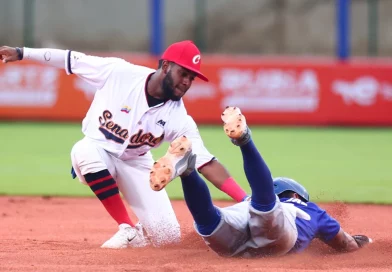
<point x="177" y="161"/>
<point x="234" y="125"/>
<point x="122" y="239"/>
<point x="141" y="239"/>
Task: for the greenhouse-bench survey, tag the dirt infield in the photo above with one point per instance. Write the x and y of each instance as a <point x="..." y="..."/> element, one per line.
<point x="64" y="234"/>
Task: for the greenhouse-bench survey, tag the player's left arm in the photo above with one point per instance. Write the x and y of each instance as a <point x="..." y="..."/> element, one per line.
<point x="208" y="165"/>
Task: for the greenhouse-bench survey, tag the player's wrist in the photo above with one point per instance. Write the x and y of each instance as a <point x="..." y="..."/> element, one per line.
<point x="19" y="52"/>
<point x="233" y="189"/>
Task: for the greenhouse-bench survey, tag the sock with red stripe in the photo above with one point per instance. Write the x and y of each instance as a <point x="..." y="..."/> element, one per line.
<point x="105" y="188"/>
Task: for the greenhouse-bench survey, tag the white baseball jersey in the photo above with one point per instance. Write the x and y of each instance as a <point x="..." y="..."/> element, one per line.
<point x="119" y="119"/>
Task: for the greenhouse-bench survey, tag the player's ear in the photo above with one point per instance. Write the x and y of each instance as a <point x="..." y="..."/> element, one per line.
<point x="165" y="66"/>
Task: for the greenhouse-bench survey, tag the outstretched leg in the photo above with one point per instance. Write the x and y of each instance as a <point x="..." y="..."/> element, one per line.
<point x="256" y="170"/>
<point x="180" y="161"/>
<point x="199" y="202"/>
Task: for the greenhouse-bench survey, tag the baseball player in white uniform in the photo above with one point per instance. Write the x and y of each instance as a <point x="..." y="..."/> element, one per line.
<point x="135" y="108"/>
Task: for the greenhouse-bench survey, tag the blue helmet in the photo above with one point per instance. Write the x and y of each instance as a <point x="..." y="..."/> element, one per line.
<point x="286" y="184"/>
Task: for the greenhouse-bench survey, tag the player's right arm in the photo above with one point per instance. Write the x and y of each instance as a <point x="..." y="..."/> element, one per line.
<point x="92" y="69"/>
<point x="343" y="242"/>
<point x="331" y="233"/>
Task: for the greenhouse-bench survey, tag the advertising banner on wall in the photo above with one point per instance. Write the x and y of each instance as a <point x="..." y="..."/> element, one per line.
<point x="269" y="91"/>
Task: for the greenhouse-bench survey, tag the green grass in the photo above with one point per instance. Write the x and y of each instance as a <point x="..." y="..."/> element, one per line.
<point x="345" y="164"/>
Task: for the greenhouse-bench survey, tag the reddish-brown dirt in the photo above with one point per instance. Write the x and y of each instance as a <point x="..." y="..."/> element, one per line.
<point x="64" y="234"/>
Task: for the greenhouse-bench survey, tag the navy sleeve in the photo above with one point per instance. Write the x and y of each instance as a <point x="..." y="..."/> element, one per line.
<point x="328" y="227"/>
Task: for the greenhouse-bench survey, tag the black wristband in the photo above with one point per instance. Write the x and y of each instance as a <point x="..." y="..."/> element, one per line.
<point x="19" y="52"/>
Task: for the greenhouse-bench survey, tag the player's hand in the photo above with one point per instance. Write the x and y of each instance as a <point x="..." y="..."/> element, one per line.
<point x="362" y="240"/>
<point x="8" y="54"/>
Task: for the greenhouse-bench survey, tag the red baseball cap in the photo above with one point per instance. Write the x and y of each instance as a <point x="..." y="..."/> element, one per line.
<point x="185" y="54"/>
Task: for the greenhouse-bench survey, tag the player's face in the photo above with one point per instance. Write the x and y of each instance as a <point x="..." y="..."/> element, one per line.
<point x="177" y="82"/>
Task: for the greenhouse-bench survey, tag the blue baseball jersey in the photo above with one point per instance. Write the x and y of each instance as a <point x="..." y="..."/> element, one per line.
<point x="321" y="225"/>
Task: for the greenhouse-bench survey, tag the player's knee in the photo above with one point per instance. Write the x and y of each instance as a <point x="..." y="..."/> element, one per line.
<point x="87" y="158"/>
